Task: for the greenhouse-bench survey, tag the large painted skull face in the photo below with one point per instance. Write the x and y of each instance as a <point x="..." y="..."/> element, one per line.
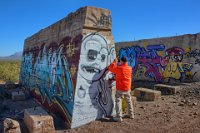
<point x="94" y="57"/>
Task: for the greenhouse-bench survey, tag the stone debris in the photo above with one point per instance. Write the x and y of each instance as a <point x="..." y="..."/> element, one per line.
<point x="18" y="95"/>
<point x="38" y="120"/>
<point x="11" y="126"/>
<point x="181" y="104"/>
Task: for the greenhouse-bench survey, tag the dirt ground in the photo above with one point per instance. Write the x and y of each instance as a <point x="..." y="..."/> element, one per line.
<point x="178" y="113"/>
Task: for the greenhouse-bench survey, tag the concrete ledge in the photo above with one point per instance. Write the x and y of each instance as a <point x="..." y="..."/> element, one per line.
<point x="147" y="94"/>
<point x="167" y="89"/>
<point x="18" y="95"/>
<point x="38" y="120"/>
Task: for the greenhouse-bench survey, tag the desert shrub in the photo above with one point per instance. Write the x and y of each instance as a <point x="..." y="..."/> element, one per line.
<point x="9" y="70"/>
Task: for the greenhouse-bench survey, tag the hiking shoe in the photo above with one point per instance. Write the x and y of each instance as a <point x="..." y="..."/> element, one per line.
<point x="117" y="119"/>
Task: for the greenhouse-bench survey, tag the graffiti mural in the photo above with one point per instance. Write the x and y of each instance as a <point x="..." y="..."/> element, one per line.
<point x="175" y="68"/>
<point x="194" y="54"/>
<point x="147" y="63"/>
<point x="93" y="96"/>
<point x="47" y="72"/>
<point x="103" y="21"/>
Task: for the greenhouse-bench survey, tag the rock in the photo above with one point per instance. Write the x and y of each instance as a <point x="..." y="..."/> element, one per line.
<point x="188" y="101"/>
<point x="142" y="107"/>
<point x="195" y="113"/>
<point x="10" y="85"/>
<point x="11" y="126"/>
<point x="19" y="95"/>
<point x="195" y="104"/>
<point x="184" y="101"/>
<point x="181" y="104"/>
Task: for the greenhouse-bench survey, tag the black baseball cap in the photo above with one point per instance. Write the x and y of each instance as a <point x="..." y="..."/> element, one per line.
<point x="124" y="59"/>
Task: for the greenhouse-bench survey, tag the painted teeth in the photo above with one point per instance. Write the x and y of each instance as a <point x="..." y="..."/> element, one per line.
<point x="92" y="70"/>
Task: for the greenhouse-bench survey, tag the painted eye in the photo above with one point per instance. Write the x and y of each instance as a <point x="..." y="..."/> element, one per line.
<point x="92" y="54"/>
<point x="81" y="92"/>
<point x="103" y="57"/>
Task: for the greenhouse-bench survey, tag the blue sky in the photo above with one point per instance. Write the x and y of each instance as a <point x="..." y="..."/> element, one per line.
<point x="132" y="19"/>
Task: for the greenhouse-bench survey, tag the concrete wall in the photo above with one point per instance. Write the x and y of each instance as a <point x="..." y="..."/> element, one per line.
<point x="169" y="59"/>
<point x="64" y="65"/>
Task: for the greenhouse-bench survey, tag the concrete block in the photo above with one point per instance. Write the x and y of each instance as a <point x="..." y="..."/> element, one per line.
<point x="18" y="95"/>
<point x="147" y="94"/>
<point x="38" y="120"/>
<point x="64" y="66"/>
<point x="167" y="89"/>
<point x="11" y="126"/>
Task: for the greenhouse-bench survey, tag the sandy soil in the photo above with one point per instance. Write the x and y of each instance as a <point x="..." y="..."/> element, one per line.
<point x="171" y="114"/>
<point x="178" y="113"/>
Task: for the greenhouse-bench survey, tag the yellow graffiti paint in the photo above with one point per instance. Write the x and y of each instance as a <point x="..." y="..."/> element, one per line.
<point x="187" y="49"/>
<point x="171" y="71"/>
<point x="72" y="71"/>
<point x="70" y="50"/>
<point x="145" y="44"/>
<point x="160" y="53"/>
<point x="124" y="105"/>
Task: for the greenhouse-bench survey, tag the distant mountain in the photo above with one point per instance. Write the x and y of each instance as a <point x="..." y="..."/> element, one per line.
<point x="15" y="56"/>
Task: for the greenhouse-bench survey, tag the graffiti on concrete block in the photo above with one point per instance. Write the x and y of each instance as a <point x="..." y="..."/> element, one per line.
<point x="102" y="21"/>
<point x="194" y="54"/>
<point x="47" y="72"/>
<point x="146" y="62"/>
<point x="174" y="67"/>
<point x="93" y="96"/>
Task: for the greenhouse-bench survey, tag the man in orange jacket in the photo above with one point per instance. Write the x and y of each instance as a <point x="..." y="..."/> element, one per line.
<point x="123" y="86"/>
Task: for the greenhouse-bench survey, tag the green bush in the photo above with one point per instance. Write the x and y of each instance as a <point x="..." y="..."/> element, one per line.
<point x="9" y="70"/>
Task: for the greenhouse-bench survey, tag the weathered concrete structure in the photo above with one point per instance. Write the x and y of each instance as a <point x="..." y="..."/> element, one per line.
<point x="147" y="94"/>
<point x="38" y="120"/>
<point x="64" y="66"/>
<point x="168" y="59"/>
<point x="167" y="89"/>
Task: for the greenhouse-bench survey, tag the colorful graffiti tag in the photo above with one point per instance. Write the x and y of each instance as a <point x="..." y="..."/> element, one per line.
<point x="146" y="62"/>
<point x="194" y="54"/>
<point x="45" y="70"/>
<point x="50" y="72"/>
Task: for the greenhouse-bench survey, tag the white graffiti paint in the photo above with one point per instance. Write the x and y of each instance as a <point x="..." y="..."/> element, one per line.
<point x="93" y="96"/>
